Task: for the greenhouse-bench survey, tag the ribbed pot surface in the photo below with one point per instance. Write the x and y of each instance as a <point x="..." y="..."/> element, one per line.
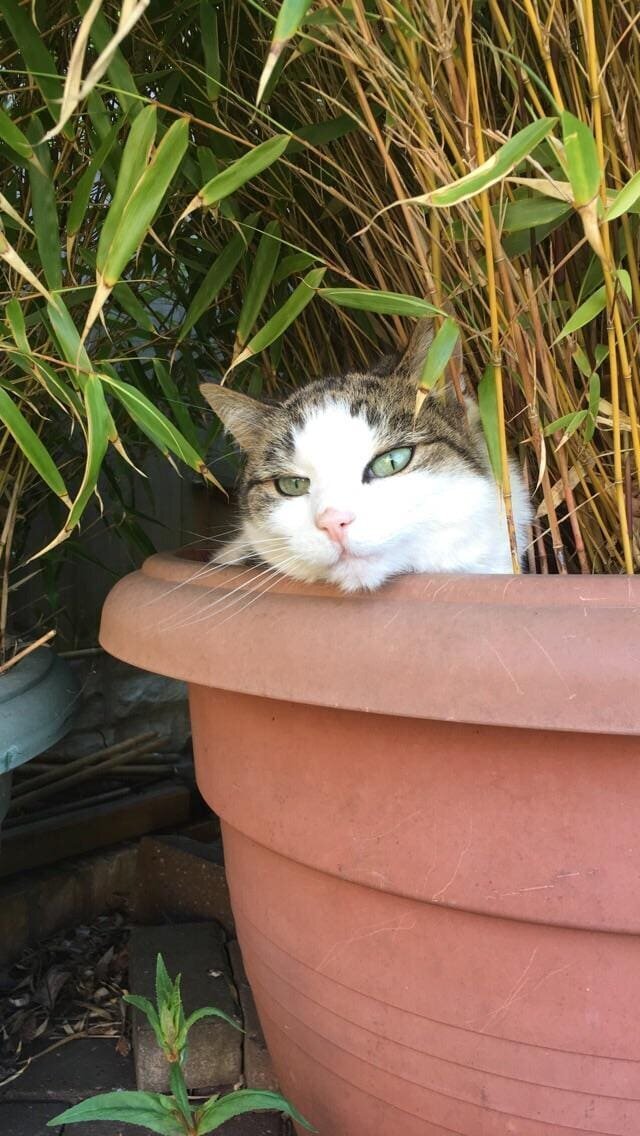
<point x="430" y="801"/>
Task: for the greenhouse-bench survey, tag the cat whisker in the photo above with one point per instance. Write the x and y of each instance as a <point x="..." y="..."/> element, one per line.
<point x="224" y="602"/>
<point x="204" y="570"/>
<point x="257" y="573"/>
<point x="261" y="592"/>
<point x="166" y="624"/>
<point x="212" y="566"/>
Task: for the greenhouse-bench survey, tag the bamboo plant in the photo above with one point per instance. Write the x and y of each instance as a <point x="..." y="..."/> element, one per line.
<point x="260" y="192"/>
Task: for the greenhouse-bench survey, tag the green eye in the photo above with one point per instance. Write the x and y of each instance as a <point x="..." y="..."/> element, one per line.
<point x="385" y="465"/>
<point x="292" y="486"/>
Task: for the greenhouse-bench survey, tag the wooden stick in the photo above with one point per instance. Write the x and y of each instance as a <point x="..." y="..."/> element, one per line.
<point x="61" y="812"/>
<point x="62" y="783"/>
<point x="81" y="762"/>
<point x="6" y="666"/>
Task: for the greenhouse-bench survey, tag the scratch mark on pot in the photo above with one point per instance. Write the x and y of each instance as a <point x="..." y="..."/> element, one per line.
<point x="394" y="827"/>
<point x="519" y="891"/>
<point x="406" y="923"/>
<point x="379" y="876"/>
<point x="504" y="665"/>
<point x="393" y="617"/>
<point x="508" y="585"/>
<point x="547" y="656"/>
<point x="463" y="852"/>
<point x="440" y="589"/>
<point x="521" y="989"/>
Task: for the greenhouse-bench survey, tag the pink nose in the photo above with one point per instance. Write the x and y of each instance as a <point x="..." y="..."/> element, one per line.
<point x="335" y="523"/>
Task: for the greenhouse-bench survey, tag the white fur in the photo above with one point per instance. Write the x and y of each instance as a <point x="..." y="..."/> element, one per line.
<point x="413" y="521"/>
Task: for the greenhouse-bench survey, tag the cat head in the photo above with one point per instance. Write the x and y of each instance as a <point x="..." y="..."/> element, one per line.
<point x="343" y="483"/>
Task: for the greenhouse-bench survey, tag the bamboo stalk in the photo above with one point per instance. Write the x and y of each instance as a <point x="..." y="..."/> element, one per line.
<point x="20" y="655"/>
<point x="61" y="784"/>
<point x="96" y="756"/>
<point x="487" y="224"/>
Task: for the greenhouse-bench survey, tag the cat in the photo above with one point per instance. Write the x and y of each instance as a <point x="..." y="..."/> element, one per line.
<point x="343" y="484"/>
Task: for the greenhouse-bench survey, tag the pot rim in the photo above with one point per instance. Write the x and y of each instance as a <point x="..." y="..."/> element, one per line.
<point x="543" y="652"/>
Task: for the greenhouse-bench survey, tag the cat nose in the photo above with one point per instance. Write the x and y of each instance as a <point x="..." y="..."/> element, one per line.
<point x="335" y="523"/>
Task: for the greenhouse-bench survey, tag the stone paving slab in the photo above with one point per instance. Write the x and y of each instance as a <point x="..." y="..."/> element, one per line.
<point x="20" y="1119"/>
<point x="180" y="879"/>
<point x="74" y="1071"/>
<point x="197" y="950"/>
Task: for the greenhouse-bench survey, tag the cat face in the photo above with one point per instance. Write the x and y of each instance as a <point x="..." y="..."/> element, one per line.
<point x="343" y="484"/>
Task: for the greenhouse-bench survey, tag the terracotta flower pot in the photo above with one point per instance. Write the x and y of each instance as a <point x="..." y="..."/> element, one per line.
<point x="430" y="800"/>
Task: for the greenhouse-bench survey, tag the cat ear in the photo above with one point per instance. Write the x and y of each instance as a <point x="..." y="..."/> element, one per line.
<point x="240" y="415"/>
<point x="415" y="354"/>
<point x="414" y="358"/>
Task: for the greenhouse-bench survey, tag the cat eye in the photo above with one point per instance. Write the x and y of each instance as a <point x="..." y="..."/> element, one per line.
<point x="385" y="465"/>
<point x="292" y="486"/>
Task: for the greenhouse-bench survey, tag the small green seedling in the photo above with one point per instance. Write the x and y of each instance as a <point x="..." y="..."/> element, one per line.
<point x="172" y="1114"/>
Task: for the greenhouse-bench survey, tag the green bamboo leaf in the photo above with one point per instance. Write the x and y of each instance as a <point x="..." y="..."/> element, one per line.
<point x="129" y="302"/>
<point x="439" y="354"/>
<point x="45" y="213"/>
<point x="141" y="208"/>
<point x="210" y="48"/>
<point x="592" y="307"/>
<point x="176" y="401"/>
<point x="625" y="199"/>
<point x="15" y="319"/>
<point x="295" y="262"/>
<point x="37" y="57"/>
<point x="258" y="159"/>
<point x="214" y="281"/>
<point x="488" y="407"/>
<point x="260" y="277"/>
<point x="530" y="213"/>
<point x="569" y="423"/>
<point x="509" y="155"/>
<point x="594" y="406"/>
<point x="68" y="339"/>
<point x="56" y="387"/>
<point x="290" y="16"/>
<point x="601" y="351"/>
<point x="582" y="362"/>
<point x="147" y="1110"/>
<point x="99" y="432"/>
<point x="385" y="303"/>
<point x="320" y="133"/>
<point x="137" y="215"/>
<point x="82" y="192"/>
<point x="582" y="159"/>
<point x="157" y="427"/>
<point x="31" y="446"/>
<point x="215" y="1113"/>
<point x="132" y="164"/>
<point x="285" y="316"/>
<point x="14" y="138"/>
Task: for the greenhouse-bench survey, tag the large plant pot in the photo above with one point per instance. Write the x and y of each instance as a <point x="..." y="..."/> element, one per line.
<point x="38" y="697"/>
<point x="430" y="801"/>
